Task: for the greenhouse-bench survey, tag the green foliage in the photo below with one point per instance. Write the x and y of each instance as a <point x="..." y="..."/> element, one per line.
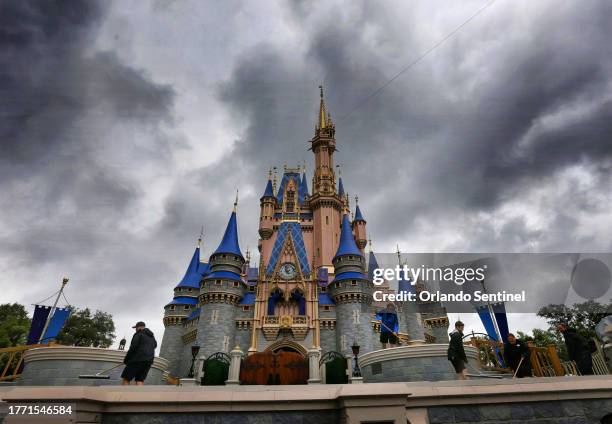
<point x="14" y="325"/>
<point x="583" y="317"/>
<point x="83" y="329"/>
<point x="544" y="338"/>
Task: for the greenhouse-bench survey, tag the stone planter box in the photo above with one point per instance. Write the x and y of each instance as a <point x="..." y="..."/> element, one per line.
<point x="424" y="362"/>
<point x="62" y="365"/>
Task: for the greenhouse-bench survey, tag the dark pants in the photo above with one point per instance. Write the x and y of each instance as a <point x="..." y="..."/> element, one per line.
<point x="585" y="364"/>
<point x="136" y="370"/>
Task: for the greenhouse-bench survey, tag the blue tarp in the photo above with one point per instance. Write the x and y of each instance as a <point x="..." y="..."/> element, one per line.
<point x="57" y="323"/>
<point x="487" y="321"/>
<point x="499" y="309"/>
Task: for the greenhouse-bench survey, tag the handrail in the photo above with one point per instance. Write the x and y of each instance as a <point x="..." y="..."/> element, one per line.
<point x="11" y="370"/>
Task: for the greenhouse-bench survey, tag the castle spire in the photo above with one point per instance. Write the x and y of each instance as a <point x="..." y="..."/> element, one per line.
<point x="347" y="244"/>
<point x="269" y="191"/>
<point x="229" y="243"/>
<point x="322" y="121"/>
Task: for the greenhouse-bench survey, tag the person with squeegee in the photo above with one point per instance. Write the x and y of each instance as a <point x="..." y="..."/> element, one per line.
<point x="139" y="357"/>
<point x="389" y="327"/>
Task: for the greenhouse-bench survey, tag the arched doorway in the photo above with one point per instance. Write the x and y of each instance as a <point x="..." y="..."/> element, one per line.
<point x="283" y="362"/>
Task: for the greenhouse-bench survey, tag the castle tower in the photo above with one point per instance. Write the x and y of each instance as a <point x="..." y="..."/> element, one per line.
<point x="359" y="228"/>
<point x="267" y="203"/>
<point x="177" y="312"/>
<point x="220" y="292"/>
<point x="410" y="312"/>
<point x="352" y="293"/>
<point x="325" y="203"/>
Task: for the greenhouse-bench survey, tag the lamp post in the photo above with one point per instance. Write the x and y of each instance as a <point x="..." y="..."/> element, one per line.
<point x="194" y="352"/>
<point x="356" y="370"/>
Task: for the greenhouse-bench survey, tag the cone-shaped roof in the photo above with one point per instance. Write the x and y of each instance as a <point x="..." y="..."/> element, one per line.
<point x="372" y="265"/>
<point x="340" y="187"/>
<point x="347" y="241"/>
<point x="192" y="275"/>
<point x="358" y="215"/>
<point x="303" y="187"/>
<point x="268" y="191"/>
<point x="229" y="243"/>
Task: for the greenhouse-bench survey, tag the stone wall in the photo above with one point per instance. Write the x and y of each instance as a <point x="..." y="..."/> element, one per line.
<point x="328" y="340"/>
<point x="427" y="362"/>
<point x="62" y="366"/>
<point x="211" y="333"/>
<point x="172" y="347"/>
<point x="557" y="412"/>
<point x="319" y="417"/>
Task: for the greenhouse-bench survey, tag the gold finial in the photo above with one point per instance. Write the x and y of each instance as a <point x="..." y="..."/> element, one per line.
<point x="339" y="169"/>
<point x="236" y="201"/>
<point x="356" y="200"/>
<point x="399" y="255"/>
<point x="304" y="165"/>
<point x="322" y="122"/>
<point x="370" y="242"/>
<point x="270" y="173"/>
<point x="248" y="257"/>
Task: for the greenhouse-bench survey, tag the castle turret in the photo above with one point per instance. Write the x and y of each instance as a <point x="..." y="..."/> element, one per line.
<point x="266" y="203"/>
<point x="325" y="203"/>
<point x="179" y="310"/>
<point x="410" y="312"/>
<point x="352" y="293"/>
<point x="221" y="291"/>
<point x="359" y="228"/>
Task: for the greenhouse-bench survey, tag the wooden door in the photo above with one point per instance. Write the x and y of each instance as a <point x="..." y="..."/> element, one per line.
<point x="269" y="368"/>
<point x="292" y="368"/>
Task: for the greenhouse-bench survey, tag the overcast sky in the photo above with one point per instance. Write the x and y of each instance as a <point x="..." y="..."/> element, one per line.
<point x="126" y="126"/>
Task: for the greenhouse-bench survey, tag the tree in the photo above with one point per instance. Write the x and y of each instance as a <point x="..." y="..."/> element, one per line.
<point x="83" y="329"/>
<point x="14" y="325"/>
<point x="583" y="317"/>
<point x="544" y="338"/>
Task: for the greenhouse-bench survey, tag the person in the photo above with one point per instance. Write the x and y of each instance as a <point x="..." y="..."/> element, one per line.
<point x="515" y="351"/>
<point x="388" y="327"/>
<point x="139" y="357"/>
<point x="456" y="352"/>
<point x="577" y="349"/>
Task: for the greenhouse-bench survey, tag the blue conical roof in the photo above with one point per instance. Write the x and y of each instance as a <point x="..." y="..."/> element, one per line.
<point x="340" y="187"/>
<point x="405" y="285"/>
<point x="192" y="275"/>
<point x="358" y="215"/>
<point x="372" y="265"/>
<point x="229" y="243"/>
<point x="303" y="188"/>
<point x="268" y="192"/>
<point x="347" y="241"/>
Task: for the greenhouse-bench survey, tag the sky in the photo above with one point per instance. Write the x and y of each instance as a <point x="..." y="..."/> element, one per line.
<point x="125" y="127"/>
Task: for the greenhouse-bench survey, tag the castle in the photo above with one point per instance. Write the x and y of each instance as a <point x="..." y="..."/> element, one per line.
<point x="312" y="287"/>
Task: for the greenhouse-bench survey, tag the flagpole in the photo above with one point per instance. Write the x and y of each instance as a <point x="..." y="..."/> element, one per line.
<point x="64" y="282"/>
<point x="492" y="315"/>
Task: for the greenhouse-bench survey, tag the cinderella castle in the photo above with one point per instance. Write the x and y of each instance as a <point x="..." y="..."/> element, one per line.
<point x="312" y="287"/>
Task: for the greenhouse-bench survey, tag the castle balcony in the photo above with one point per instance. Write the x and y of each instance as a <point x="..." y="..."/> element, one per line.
<point x="273" y="324"/>
<point x="435" y="322"/>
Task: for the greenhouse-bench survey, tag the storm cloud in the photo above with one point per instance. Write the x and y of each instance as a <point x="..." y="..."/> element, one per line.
<point x="124" y="129"/>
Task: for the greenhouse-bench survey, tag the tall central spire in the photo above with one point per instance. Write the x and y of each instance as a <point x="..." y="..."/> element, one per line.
<point x="322" y="122"/>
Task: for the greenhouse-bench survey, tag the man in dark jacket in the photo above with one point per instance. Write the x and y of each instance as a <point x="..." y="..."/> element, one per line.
<point x="456" y="352"/>
<point x="139" y="357"/>
<point x="514" y="351"/>
<point x="577" y="349"/>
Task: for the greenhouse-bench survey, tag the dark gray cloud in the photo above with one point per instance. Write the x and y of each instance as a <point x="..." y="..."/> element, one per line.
<point x="498" y="140"/>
